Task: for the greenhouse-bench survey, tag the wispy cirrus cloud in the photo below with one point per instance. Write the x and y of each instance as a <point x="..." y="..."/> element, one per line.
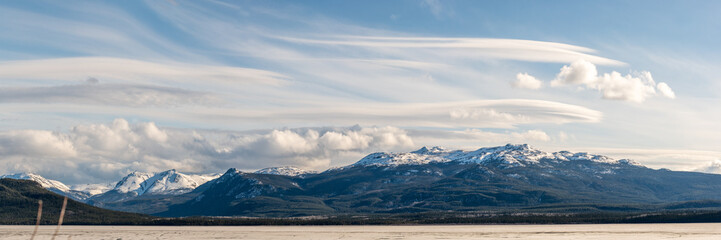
<point x="502" y="114"/>
<point x="510" y="49"/>
<point x="95" y="93"/>
<point x="133" y="71"/>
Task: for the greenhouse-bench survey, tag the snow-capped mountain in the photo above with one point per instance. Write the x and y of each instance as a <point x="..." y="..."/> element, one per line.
<point x="438" y="179"/>
<point x="167" y="182"/>
<point x="46" y="183"/>
<point x="425" y="180"/>
<point x="509" y="155"/>
<point x="285" y="171"/>
<point x="52" y="185"/>
<point x="164" y="183"/>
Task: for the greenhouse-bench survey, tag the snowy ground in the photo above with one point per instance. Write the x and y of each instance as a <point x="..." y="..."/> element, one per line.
<point x="599" y="231"/>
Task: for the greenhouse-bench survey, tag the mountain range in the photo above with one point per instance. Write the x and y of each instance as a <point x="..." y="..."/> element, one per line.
<point x="425" y="180"/>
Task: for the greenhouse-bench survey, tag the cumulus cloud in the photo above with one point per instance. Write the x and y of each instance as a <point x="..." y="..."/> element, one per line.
<point x="105" y="152"/>
<point x="531" y="135"/>
<point x="712" y="167"/>
<point x="579" y="72"/>
<point x="635" y="87"/>
<point x="666" y="90"/>
<point x="35" y="143"/>
<point x="523" y="80"/>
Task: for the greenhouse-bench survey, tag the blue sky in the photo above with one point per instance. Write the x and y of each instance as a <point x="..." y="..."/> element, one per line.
<point x="90" y="91"/>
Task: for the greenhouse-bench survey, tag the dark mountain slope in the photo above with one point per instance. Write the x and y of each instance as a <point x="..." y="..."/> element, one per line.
<point x="431" y="180"/>
<point x="19" y="204"/>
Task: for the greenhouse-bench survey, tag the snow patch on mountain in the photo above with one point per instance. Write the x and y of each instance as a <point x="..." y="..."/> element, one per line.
<point x="92" y="189"/>
<point x="285" y="171"/>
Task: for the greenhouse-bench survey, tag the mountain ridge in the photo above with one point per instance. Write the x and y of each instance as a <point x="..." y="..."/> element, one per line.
<point x="425" y="180"/>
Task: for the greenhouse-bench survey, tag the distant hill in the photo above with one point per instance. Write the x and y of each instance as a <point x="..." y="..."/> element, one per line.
<point x="19" y="204"/>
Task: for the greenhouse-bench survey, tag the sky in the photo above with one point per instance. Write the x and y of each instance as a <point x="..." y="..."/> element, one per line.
<point x="93" y="90"/>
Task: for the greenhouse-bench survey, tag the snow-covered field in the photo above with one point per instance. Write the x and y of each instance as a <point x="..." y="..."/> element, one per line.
<point x="598" y="231"/>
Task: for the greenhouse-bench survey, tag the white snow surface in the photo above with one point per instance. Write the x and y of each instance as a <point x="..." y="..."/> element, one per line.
<point x="92" y="189"/>
<point x="46" y="183"/>
<point x="510" y="155"/>
<point x="167" y="182"/>
<point x="285" y="170"/>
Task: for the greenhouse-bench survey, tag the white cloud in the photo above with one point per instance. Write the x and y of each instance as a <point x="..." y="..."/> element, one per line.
<point x="579" y="72"/>
<point x="666" y="90"/>
<point x="563" y="136"/>
<point x="503" y="113"/>
<point x="712" y="167"/>
<point x="506" y="113"/>
<point x="35" y="143"/>
<point x="675" y="159"/>
<point x="95" y="93"/>
<point x="523" y="80"/>
<point x="472" y="48"/>
<point x="105" y="152"/>
<point x="634" y="88"/>
<point x="133" y="71"/>
<point x="531" y="135"/>
<point x="472" y="139"/>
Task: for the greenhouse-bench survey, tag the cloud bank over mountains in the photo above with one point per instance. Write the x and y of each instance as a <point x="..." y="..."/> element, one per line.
<point x="93" y="152"/>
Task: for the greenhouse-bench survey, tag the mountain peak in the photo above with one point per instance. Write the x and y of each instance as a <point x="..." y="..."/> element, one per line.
<point x="285" y="171"/>
<point x="166" y="182"/>
<point x="509" y="155"/>
<point x="432" y="150"/>
<point x="518" y="147"/>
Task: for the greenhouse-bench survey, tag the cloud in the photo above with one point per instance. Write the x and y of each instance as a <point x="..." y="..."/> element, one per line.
<point x="476" y="137"/>
<point x="670" y="158"/>
<point x="133" y="71"/>
<point x="523" y="80"/>
<point x="579" y="72"/>
<point x="473" y="48"/>
<point x="531" y="135"/>
<point x="712" y="167"/>
<point x="35" y="143"/>
<point x="434" y="6"/>
<point x="105" y="152"/>
<point x="505" y="113"/>
<point x="635" y="87"/>
<point x="666" y="90"/>
<point x="96" y="93"/>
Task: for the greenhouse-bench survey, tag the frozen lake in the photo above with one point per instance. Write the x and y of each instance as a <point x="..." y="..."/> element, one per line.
<point x="586" y="231"/>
